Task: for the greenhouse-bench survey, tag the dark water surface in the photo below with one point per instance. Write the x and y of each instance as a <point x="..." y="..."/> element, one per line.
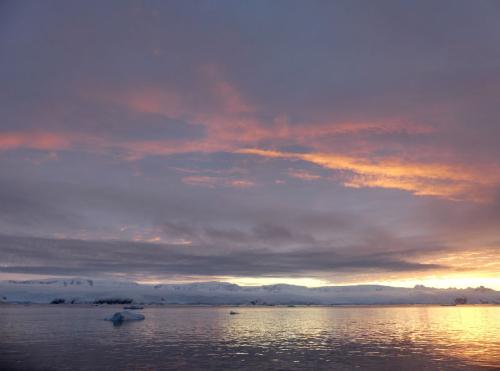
<point x="38" y="337"/>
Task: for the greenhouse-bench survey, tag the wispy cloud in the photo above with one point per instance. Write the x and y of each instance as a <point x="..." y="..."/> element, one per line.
<point x="419" y="178"/>
<point x="212" y="181"/>
<point x="302" y="174"/>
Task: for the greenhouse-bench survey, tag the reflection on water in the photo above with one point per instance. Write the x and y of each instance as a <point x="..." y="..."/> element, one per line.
<point x="398" y="338"/>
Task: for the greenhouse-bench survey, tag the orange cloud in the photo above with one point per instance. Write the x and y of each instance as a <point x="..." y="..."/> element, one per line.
<point x="302" y="174"/>
<point x="34" y="140"/>
<point x="202" y="181"/>
<point x="150" y="100"/>
<point x="453" y="181"/>
<point x="241" y="183"/>
<point x="232" y="122"/>
<point x="212" y="182"/>
<point x="230" y="99"/>
<point x="418" y="178"/>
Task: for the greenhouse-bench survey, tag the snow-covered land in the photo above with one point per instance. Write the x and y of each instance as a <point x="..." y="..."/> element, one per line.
<point x="83" y="290"/>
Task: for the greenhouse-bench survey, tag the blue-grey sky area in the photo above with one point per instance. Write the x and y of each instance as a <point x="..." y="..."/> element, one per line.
<point x="320" y="142"/>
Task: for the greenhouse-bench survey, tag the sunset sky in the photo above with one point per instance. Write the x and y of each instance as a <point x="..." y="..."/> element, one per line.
<point x="315" y="143"/>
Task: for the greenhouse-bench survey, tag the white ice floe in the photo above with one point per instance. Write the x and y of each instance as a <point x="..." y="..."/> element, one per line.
<point x="125" y="315"/>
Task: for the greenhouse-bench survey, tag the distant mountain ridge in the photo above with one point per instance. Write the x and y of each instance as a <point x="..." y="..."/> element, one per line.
<point x="72" y="282"/>
<point x="88" y="290"/>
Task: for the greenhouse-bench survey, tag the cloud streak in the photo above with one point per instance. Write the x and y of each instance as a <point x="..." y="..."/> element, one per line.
<point x="421" y="179"/>
<point x="100" y="258"/>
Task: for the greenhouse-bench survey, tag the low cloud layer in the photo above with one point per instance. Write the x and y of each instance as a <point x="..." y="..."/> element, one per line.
<point x="145" y="260"/>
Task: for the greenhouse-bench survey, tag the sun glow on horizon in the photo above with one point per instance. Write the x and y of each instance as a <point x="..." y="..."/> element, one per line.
<point x="446" y="282"/>
<point x="462" y="282"/>
<point x="260" y="281"/>
<point x="433" y="282"/>
<point x="441" y="283"/>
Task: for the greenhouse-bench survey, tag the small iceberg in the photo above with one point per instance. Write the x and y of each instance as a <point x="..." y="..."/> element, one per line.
<point x="233" y="312"/>
<point x="133" y="307"/>
<point x="120" y="317"/>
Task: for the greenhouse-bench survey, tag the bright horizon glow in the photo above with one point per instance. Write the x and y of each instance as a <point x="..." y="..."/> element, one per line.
<point x="435" y="282"/>
<point x="442" y="283"/>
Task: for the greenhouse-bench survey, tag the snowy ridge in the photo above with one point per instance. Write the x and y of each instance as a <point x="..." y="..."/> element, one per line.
<point x="72" y="281"/>
<point x="86" y="290"/>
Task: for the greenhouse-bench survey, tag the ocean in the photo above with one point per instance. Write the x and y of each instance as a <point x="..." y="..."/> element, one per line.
<point x="75" y="337"/>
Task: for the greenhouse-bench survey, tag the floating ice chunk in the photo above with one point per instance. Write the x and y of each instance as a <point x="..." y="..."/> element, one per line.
<point x="125" y="315"/>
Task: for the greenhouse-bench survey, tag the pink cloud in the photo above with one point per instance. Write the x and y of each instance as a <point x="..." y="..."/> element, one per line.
<point x="212" y="182"/>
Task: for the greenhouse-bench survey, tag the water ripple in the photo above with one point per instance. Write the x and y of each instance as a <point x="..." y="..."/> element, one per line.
<point x="185" y="338"/>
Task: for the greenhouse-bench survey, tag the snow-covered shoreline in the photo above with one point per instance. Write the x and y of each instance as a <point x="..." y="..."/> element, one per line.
<point x="89" y="291"/>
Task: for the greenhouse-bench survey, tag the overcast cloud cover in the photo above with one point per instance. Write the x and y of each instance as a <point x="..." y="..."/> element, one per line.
<point x="346" y="141"/>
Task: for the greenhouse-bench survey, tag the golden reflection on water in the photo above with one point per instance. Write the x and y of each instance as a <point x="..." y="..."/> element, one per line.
<point x="467" y="333"/>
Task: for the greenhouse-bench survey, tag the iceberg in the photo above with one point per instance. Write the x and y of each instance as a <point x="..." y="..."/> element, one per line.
<point x="125" y="315"/>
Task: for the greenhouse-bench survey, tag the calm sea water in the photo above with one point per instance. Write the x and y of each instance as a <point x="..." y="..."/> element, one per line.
<point x="273" y="338"/>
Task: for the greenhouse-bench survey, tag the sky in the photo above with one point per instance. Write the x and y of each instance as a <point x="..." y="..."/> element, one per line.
<point x="314" y="143"/>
